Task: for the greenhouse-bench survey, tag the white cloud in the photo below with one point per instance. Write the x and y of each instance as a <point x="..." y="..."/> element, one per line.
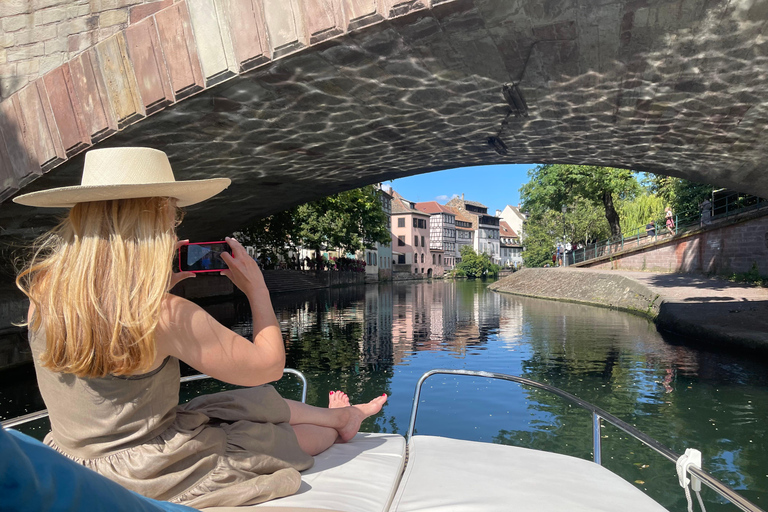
<point x="445" y="197"/>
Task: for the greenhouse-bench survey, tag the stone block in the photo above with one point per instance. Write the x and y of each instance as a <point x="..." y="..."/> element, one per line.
<point x="248" y="32"/>
<point x="19" y="151"/>
<point x="325" y="19"/>
<point x="28" y="67"/>
<point x="60" y="44"/>
<point x="113" y="17"/>
<point x="361" y="13"/>
<point x="78" y="25"/>
<point x="21" y="21"/>
<point x="214" y="46"/>
<point x="178" y="43"/>
<point x="76" y="43"/>
<point x="77" y="11"/>
<point x="6" y="40"/>
<point x="29" y="51"/>
<point x="35" y="35"/>
<point x="140" y="12"/>
<point x="39" y="127"/>
<point x="13" y="7"/>
<point x="67" y="111"/>
<point x="149" y="65"/>
<point x="285" y="26"/>
<point x="52" y="15"/>
<point x="38" y="5"/>
<point x="122" y="89"/>
<point x="396" y="8"/>
<point x="91" y="90"/>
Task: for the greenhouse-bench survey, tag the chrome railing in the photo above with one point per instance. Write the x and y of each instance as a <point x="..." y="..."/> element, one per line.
<point x="37" y="415"/>
<point x="598" y="415"/>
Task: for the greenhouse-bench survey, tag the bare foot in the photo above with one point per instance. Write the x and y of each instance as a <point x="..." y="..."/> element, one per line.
<point x="357" y="413"/>
<point x="337" y="399"/>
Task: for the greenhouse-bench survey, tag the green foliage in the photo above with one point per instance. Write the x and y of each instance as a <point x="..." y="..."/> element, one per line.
<point x="539" y="242"/>
<point x="475" y="265"/>
<point x="752" y="276"/>
<point x="350" y="220"/>
<point x="635" y="214"/>
<point x="683" y="196"/>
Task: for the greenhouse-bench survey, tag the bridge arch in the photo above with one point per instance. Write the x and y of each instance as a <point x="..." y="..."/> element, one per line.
<point x="298" y="99"/>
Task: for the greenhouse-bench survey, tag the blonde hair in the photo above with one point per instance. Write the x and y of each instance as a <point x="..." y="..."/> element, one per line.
<point x="97" y="282"/>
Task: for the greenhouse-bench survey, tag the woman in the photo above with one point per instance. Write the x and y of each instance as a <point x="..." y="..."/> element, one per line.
<point x="669" y="220"/>
<point x="107" y="339"/>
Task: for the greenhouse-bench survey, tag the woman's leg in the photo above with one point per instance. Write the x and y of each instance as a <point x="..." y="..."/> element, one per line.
<point x="314" y="439"/>
<point x="344" y="420"/>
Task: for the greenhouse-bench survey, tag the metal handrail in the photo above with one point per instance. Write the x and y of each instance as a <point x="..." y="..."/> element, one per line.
<point x="598" y="414"/>
<point x="20" y="420"/>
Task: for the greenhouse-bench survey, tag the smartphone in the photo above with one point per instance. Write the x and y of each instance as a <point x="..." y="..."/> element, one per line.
<point x="203" y="257"/>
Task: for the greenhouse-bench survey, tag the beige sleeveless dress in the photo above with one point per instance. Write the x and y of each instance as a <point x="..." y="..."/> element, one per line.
<point x="224" y="449"/>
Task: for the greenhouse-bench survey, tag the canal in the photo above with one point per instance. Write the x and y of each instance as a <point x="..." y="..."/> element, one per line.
<point x="381" y="338"/>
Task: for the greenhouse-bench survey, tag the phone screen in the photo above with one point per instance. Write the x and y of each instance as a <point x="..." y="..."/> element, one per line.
<point x="203" y="257"/>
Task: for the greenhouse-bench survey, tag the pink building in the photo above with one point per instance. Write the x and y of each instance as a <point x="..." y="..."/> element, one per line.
<point x="410" y="242"/>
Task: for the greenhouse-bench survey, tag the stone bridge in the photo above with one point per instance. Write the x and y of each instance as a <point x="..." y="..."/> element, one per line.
<point x="297" y="99"/>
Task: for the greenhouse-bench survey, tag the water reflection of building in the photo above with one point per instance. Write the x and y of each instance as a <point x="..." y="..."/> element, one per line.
<point x="376" y="345"/>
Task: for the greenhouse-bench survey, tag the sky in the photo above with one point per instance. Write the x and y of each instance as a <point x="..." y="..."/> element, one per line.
<point x="493" y="185"/>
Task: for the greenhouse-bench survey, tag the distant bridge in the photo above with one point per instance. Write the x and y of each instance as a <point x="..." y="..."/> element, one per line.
<point x="298" y="99"/>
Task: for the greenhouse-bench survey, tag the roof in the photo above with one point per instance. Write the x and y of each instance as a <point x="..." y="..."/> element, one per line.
<point x="505" y="231"/>
<point x="433" y="207"/>
<point x="464" y="217"/>
<point x="401" y="205"/>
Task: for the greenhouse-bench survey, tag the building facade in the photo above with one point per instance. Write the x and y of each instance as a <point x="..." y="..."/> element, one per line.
<point x="486" y="227"/>
<point x="410" y="229"/>
<point x="378" y="260"/>
<point x="442" y="233"/>
<point x="515" y="218"/>
<point x="511" y="251"/>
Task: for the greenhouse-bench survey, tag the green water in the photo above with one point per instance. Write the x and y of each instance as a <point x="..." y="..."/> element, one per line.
<point x="381" y="339"/>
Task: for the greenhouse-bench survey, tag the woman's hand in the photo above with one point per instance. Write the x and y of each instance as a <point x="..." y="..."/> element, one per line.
<point x="177" y="277"/>
<point x="243" y="270"/>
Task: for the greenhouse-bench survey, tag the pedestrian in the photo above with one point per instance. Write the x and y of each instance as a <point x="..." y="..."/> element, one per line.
<point x="669" y="220"/>
<point x="568" y="251"/>
<point x="650" y="228"/>
<point x="559" y="254"/>
<point x="706" y="212"/>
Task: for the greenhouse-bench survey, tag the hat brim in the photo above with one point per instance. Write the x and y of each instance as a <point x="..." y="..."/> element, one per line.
<point x="185" y="192"/>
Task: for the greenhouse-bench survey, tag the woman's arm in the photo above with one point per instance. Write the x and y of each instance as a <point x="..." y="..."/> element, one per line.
<point x="189" y="333"/>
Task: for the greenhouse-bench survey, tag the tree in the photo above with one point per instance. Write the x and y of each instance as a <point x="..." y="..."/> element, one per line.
<point x="350" y="220"/>
<point x="683" y="196"/>
<point x="475" y="265"/>
<point x="555" y="186"/>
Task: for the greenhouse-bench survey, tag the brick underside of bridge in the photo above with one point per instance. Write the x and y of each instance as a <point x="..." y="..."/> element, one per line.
<point x="295" y="100"/>
<point x="727" y="246"/>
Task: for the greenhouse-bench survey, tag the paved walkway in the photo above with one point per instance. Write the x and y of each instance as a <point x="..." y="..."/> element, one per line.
<point x="715" y="310"/>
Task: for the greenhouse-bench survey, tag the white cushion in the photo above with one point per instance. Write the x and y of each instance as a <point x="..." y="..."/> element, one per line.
<point x="451" y="475"/>
<point x="358" y="476"/>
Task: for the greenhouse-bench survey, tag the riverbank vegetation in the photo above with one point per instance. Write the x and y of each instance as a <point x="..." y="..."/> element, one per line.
<point x="474" y="266"/>
<point x="582" y="204"/>
<point x="350" y="220"/>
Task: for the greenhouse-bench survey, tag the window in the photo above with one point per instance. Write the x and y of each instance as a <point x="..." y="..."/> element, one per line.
<point x="415" y="223"/>
<point x="422" y="271"/>
<point x="422" y="257"/>
<point x="401" y="222"/>
<point x="433" y="259"/>
<point x="439" y="259"/>
<point x="422" y="241"/>
<point x="401" y="240"/>
<point x="415" y="241"/>
<point x="416" y="271"/>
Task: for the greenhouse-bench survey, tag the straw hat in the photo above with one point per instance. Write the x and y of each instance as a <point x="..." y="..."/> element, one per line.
<point x="125" y="173"/>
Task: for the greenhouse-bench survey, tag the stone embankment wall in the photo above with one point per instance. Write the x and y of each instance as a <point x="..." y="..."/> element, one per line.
<point x="37" y="36"/>
<point x="610" y="291"/>
<point x="727" y="246"/>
